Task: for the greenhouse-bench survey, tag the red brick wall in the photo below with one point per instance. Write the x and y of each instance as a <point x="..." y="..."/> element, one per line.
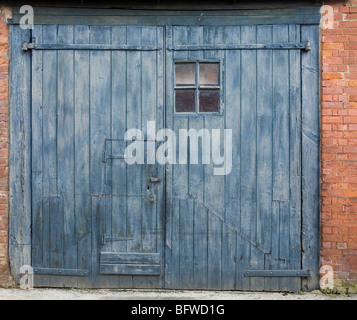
<point x="339" y="145"/>
<point x="4" y="142"/>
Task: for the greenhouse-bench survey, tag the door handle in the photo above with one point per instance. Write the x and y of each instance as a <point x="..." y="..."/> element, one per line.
<point x="155" y="180"/>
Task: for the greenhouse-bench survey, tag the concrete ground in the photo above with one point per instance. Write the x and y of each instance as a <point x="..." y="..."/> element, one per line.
<point x="72" y="294"/>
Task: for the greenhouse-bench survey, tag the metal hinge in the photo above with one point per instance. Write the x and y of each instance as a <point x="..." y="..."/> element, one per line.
<point x="61" y="272"/>
<point x="306" y="46"/>
<point x="102" y="47"/>
<point x="278" y="273"/>
<point x="28" y="46"/>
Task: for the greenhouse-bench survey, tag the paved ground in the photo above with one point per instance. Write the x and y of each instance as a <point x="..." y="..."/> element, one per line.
<point x="71" y="294"/>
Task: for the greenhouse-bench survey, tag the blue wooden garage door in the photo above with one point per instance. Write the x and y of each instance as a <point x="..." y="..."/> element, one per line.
<point x="100" y="222"/>
<point x="226" y="232"/>
<point x="95" y="219"/>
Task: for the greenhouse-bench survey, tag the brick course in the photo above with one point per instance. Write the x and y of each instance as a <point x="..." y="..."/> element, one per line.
<point x="339" y="145"/>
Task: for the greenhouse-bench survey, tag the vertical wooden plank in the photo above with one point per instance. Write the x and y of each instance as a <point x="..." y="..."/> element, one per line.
<point x="37" y="158"/>
<point x="243" y="264"/>
<point x="169" y="123"/>
<point x="81" y="148"/>
<point x="57" y="241"/>
<point x="200" y="246"/>
<point x="49" y="135"/>
<point x="195" y="183"/>
<point x="100" y="123"/>
<point x="284" y="244"/>
<point x="232" y="88"/>
<point x="281" y="156"/>
<point x="229" y="258"/>
<point x="180" y="172"/>
<point x="176" y="249"/>
<point x="119" y="178"/>
<point x="272" y="261"/>
<point x="249" y="137"/>
<point x="186" y="243"/>
<point x="65" y="147"/>
<point x="256" y="263"/>
<point x="160" y="120"/>
<point x="214" y="185"/>
<point x="264" y="145"/>
<point x="195" y="171"/>
<point x="180" y="187"/>
<point x="215" y="229"/>
<point x="134" y="121"/>
<point x="281" y="144"/>
<point x="310" y="156"/>
<point x="150" y="225"/>
<point x="20" y="153"/>
<point x="295" y="159"/>
<point x="264" y="138"/>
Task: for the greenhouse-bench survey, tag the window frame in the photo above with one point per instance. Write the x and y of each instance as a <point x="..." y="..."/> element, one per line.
<point x="197" y="87"/>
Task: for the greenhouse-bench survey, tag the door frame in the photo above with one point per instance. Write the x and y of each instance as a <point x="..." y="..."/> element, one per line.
<point x="20" y="127"/>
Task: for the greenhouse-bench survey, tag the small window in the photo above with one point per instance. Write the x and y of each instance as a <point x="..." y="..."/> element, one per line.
<point x="197" y="87"/>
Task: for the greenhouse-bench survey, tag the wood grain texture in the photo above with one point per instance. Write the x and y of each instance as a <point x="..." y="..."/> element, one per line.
<point x="20" y="213"/>
<point x="310" y="157"/>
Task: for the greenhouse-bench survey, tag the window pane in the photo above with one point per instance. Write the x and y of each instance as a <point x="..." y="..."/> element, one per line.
<point x="185" y="101"/>
<point x="209" y="101"/>
<point x="185" y="74"/>
<point x="209" y="74"/>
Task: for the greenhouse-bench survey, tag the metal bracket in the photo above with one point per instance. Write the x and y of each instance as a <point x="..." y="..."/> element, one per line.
<point x="308" y="46"/>
<point x="278" y="273"/>
<point x="28" y="46"/>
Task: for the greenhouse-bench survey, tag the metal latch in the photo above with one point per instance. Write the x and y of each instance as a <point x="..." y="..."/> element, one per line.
<point x="155" y="180"/>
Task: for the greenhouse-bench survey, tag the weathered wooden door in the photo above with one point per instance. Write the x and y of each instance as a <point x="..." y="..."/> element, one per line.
<point x="100" y="221"/>
<point x="97" y="221"/>
<point x="242" y="230"/>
